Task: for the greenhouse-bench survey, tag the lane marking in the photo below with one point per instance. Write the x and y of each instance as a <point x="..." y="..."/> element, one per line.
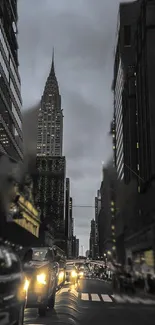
<point x="84" y="296"/>
<point x="118" y="298"/>
<point x="75" y="293"/>
<point x="64" y="290"/>
<point x="106" y="298"/>
<point x="129" y="299"/>
<point x="95" y="297"/>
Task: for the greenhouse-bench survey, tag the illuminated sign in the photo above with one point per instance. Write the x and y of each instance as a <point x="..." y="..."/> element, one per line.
<point x="30" y="220"/>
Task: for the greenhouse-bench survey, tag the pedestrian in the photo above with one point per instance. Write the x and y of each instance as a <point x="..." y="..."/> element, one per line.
<point x="146" y="286"/>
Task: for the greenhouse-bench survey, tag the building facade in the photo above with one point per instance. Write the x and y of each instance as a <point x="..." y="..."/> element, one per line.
<point x="68" y="218"/>
<point x="50" y="197"/>
<point x="10" y="87"/>
<point x="77" y="247"/>
<point x="124" y="114"/>
<point x="51" y="167"/>
<point x="134" y="52"/>
<point x="23" y="218"/>
<point x="107" y="238"/>
<point x="50" y="119"/>
<point x="71" y="230"/>
<point x="97" y="211"/>
<point x="92" y="241"/>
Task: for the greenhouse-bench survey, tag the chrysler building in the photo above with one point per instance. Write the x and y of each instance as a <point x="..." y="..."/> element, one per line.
<point x="50" y="118"/>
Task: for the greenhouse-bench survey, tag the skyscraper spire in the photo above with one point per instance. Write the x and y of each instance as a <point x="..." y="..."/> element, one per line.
<point x="53" y="68"/>
<point x="52" y="140"/>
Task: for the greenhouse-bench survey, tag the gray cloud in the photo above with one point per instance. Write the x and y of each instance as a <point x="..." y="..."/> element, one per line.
<point x="83" y="34"/>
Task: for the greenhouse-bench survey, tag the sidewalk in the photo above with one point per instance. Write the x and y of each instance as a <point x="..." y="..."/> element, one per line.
<point x="142" y="294"/>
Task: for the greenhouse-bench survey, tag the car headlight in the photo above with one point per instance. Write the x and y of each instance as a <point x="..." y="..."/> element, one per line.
<point x="81" y="274"/>
<point x="41" y="278"/>
<point x="26" y="285"/>
<point x="61" y="275"/>
<point x="73" y="274"/>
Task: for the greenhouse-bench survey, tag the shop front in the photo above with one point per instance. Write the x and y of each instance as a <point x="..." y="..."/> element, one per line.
<point x="143" y="262"/>
<point x="140" y="249"/>
<point x="24" y="231"/>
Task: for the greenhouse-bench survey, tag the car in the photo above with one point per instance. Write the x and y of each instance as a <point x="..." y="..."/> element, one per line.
<point x="71" y="273"/>
<point x="13" y="287"/>
<point x="41" y="270"/>
<point x="81" y="272"/>
<point x="89" y="275"/>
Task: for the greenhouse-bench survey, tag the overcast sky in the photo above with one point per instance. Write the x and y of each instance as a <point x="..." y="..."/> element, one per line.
<point x="83" y="35"/>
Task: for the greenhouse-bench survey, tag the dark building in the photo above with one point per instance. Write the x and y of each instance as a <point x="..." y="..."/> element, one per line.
<point x="143" y="241"/>
<point x="50" y="189"/>
<point x="124" y="104"/>
<point x="97" y="210"/>
<point x="68" y="218"/>
<point x="11" y="138"/>
<point x="51" y="165"/>
<point x="133" y="123"/>
<point x="71" y="228"/>
<point x="50" y="118"/>
<point x="124" y="127"/>
<point x="145" y="78"/>
<point x="75" y="247"/>
<point x="92" y="243"/>
<point x="87" y="253"/>
<point x="10" y="86"/>
<point x="106" y="218"/>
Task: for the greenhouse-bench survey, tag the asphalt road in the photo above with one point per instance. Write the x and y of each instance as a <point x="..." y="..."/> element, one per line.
<point x="93" y="302"/>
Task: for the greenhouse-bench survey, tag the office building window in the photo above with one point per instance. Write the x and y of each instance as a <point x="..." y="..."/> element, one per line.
<point x="4" y="67"/>
<point x="4" y="44"/>
<point x="127" y="35"/>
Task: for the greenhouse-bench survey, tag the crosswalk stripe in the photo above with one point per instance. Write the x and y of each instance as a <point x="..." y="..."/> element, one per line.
<point x="84" y="296"/>
<point x="95" y="297"/>
<point x="106" y="298"/>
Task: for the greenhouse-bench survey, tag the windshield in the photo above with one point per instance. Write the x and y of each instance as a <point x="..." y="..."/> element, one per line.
<point x="39" y="254"/>
<point x="70" y="267"/>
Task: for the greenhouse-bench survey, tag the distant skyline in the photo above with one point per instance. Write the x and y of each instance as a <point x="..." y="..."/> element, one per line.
<point x="83" y="35"/>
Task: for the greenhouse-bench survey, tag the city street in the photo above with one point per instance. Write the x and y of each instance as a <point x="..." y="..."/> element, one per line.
<point x="93" y="301"/>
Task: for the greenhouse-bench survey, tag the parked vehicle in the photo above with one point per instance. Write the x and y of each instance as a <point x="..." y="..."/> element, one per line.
<point x="13" y="288"/>
<point x="42" y="270"/>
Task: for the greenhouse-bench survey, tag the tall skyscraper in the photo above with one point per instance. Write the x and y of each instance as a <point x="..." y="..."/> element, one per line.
<point x="67" y="208"/>
<point x="10" y="88"/>
<point x="106" y="218"/>
<point x="68" y="219"/>
<point x="92" y="239"/>
<point x="125" y="126"/>
<point x="77" y="248"/>
<point x="50" y="118"/>
<point x="71" y="215"/>
<point x="51" y="165"/>
<point x="97" y="210"/>
<point x="133" y="127"/>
